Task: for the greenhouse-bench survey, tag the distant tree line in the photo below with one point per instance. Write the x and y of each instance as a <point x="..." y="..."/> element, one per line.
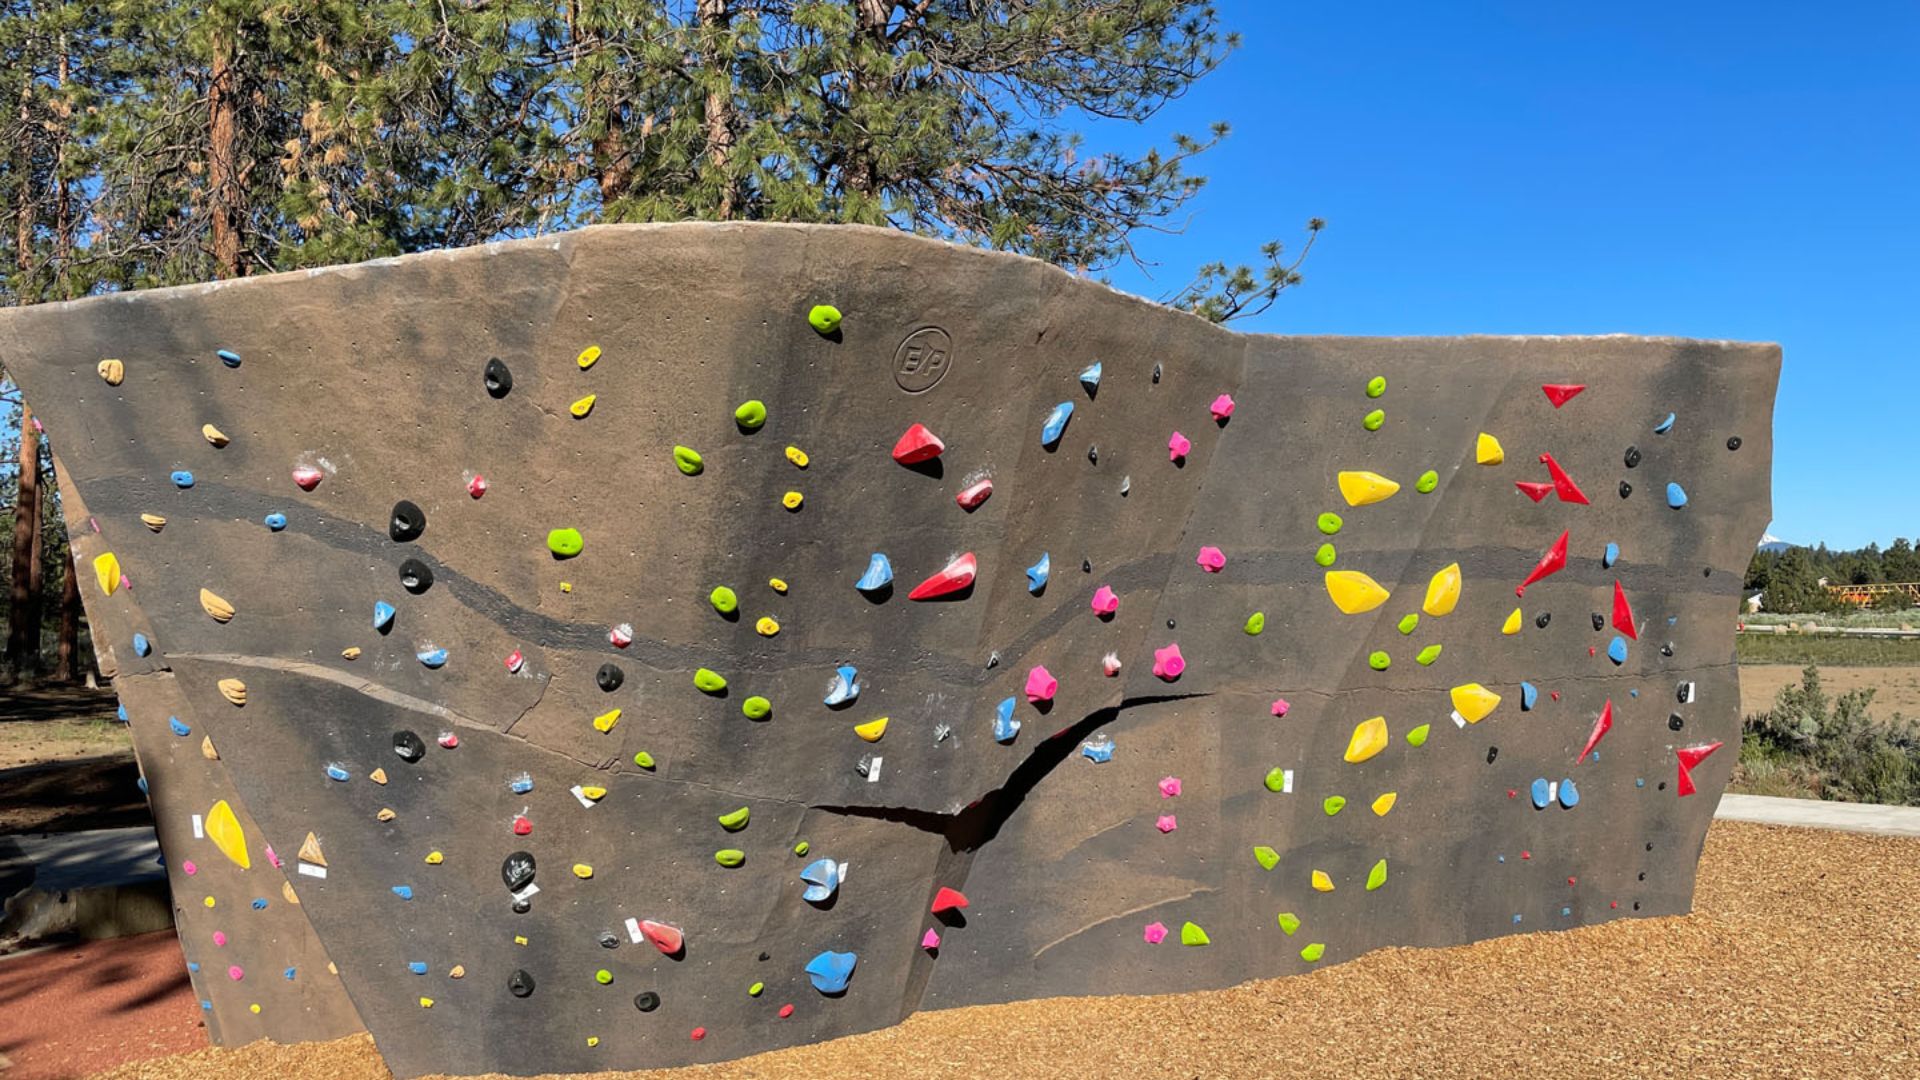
<point x="1789" y="580"/>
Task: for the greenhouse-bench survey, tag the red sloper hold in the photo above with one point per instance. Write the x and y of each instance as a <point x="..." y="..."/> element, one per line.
<point x="1554" y="561"/>
<point x="1622" y="614"/>
<point x="974" y="494"/>
<point x="917" y="445"/>
<point x="948" y="899"/>
<point x="1689" y="757"/>
<point x="667" y="939"/>
<point x="1561" y="393"/>
<point x="1534" y="491"/>
<point x="957" y="575"/>
<point x="1563" y="484"/>
<point x="1600" y="729"/>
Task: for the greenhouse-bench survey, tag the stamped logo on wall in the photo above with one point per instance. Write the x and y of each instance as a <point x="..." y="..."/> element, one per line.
<point x="922" y="359"/>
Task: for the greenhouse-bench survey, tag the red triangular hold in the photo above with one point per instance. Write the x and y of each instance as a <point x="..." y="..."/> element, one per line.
<point x="1554" y="561"/>
<point x="1600" y="729"/>
<point x="957" y="576"/>
<point x="1690" y="756"/>
<point x="1561" y="393"/>
<point x="948" y="899"/>
<point x="1563" y="484"/>
<point x="917" y="445"/>
<point x="1622" y="614"/>
<point x="1534" y="491"/>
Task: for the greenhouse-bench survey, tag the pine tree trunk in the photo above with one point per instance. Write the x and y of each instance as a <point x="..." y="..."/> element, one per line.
<point x="714" y="18"/>
<point x="862" y="171"/>
<point x="223" y="167"/>
<point x="23" y="626"/>
<point x="66" y="661"/>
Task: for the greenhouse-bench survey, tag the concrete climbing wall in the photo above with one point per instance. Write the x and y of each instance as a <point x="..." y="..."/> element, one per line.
<point x="652" y="645"/>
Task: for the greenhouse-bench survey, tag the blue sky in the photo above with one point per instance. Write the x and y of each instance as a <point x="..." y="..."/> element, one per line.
<point x="1710" y="169"/>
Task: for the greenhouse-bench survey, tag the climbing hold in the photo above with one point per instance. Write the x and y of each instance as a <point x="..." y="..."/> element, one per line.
<point x="844" y="687"/>
<point x="1385" y="803"/>
<point x="1191" y="934"/>
<point x="111" y="371"/>
<point x="822" y="877"/>
<point x="1563" y="485"/>
<point x="1038" y="573"/>
<point x="520" y="984"/>
<point x="797" y="456"/>
<point x="106" y="571"/>
<point x="1512" y="625"/>
<point x="405" y="892"/>
<point x="1610" y="556"/>
<point x="1178" y="447"/>
<point x="1005" y="727"/>
<point x="643" y="759"/>
<point x="214" y="606"/>
<point x="1664" y="426"/>
<point x="1568" y="795"/>
<point x="1373" y="420"/>
<point x="1561" y="393"/>
<point x="1289" y="922"/>
<point x="408" y="746"/>
<point x="1321" y="882"/>
<point x="1168" y="663"/>
<point x="223" y="828"/>
<point x="1554" y="561"/>
<point x="1325" y="555"/>
<point x="310" y="851"/>
<point x="917" y="445"/>
<point x="338" y="772"/>
<point x="582" y="407"/>
<point x="378" y="776"/>
<point x="435" y="858"/>
<point x="1676" y="496"/>
<point x="234" y="691"/>
<point x="1418" y="736"/>
<point x="609" y="677"/>
<point x="431" y="657"/>
<point x="182" y="478"/>
<point x="1601" y="726"/>
<point x="415" y="576"/>
<point x="735" y="820"/>
<point x="750" y="415"/>
<point x="1533" y="490"/>
<point x="1098" y="749"/>
<point x="1279" y="780"/>
<point x="1354" y="592"/>
<point x="1090" y="378"/>
<point x="1361" y="488"/>
<point x="1222" y="408"/>
<point x="1105" y="601"/>
<point x="971" y="496"/>
<point x="1333" y="804"/>
<point x="792" y="500"/>
<point x="1110" y="664"/>
<point x="872" y="729"/>
<point x="1329" y="523"/>
<point x="1369" y="738"/>
<point x="382" y="615"/>
<point x="605" y="721"/>
<point x="1376" y="386"/>
<point x="179" y="726"/>
<point x="1378" y="660"/>
<point x="1443" y="592"/>
<point x="1427" y="482"/>
<point x="946" y="899"/>
<point x="214" y="435"/>
<point x="1733" y="442"/>
<point x="830" y="971"/>
<point x="730" y="857"/>
<point x="515" y="661"/>
<point x="153" y="521"/>
<point x="824" y="318"/>
<point x="1622" y="613"/>
<point x="1528" y="695"/>
<point x="668" y="939"/>
<point x="141" y="646"/>
<point x="406" y="522"/>
<point x="1266" y="856"/>
<point x="1377" y="876"/>
<point x="1428" y="655"/>
<point x="1473" y="702"/>
<point x="1256" y="622"/>
<point x="1041" y="686"/>
<point x="1211" y="559"/>
<point x="1055" y="424"/>
<point x="1688" y="757"/>
<point x="1617" y="650"/>
<point x="709" y="681"/>
<point x="688" y="460"/>
<point x="723" y="600"/>
<point x="879" y="574"/>
<point x="956" y="576"/>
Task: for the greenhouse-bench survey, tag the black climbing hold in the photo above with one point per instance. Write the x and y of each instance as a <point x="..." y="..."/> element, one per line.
<point x="1541" y="620"/>
<point x="646" y="1001"/>
<point x="764" y="957"/>
<point x="1156" y="374"/>
<point x="520" y="984"/>
<point x="609" y="939"/>
<point x="609" y="677"/>
<point x="1636" y="903"/>
<point x="408" y="746"/>
<point x="521" y="907"/>
<point x="415" y="576"/>
<point x="993" y="659"/>
<point x="407" y="522"/>
<point x="499" y="379"/>
<point x="1093" y="454"/>
<point x="517" y="870"/>
<point x="1650" y="844"/>
<point x="1633" y="456"/>
<point x="1599" y="621"/>
<point x="1492" y="752"/>
<point x="1643" y="875"/>
<point x="1169" y="624"/>
<point x="1626" y="489"/>
<point x="1706" y="571"/>
<point x="1667" y="649"/>
<point x="1675" y="722"/>
<point x="1733" y="442"/>
<point x="1086" y="566"/>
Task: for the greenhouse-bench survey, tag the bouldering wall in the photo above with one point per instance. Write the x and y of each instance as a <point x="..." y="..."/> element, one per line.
<point x="652" y="645"/>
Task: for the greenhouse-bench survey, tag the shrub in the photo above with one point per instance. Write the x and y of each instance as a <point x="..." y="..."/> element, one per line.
<point x="1834" y="747"/>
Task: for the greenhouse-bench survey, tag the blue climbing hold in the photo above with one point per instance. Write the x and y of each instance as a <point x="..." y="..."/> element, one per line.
<point x="1038" y="573"/>
<point x="845" y="685"/>
<point x="1005" y="727"/>
<point x="1612" y="555"/>
<point x="335" y="772"/>
<point x="182" y="478"/>
<point x="228" y="357"/>
<point x="823" y="880"/>
<point x="141" y="783"/>
<point x="382" y="615"/>
<point x="1056" y="424"/>
<point x="289" y="973"/>
<point x="404" y="892"/>
<point x="433" y="658"/>
<point x="878" y="576"/>
<point x="205" y="1005"/>
<point x="1528" y="695"/>
<point x="1634" y="692"/>
<point x="259" y="903"/>
<point x="193" y="967"/>
<point x="122" y="711"/>
<point x="521" y="784"/>
<point x="1542" y="794"/>
<point x="1090" y="378"/>
<point x="418" y="967"/>
<point x="141" y="646"/>
<point x="1676" y="496"/>
<point x="276" y="521"/>
<point x="1617" y="650"/>
<point x="1569" y="795"/>
<point x="1664" y="426"/>
<point x="1097" y="751"/>
<point x="178" y="727"/>
<point x="830" y="971"/>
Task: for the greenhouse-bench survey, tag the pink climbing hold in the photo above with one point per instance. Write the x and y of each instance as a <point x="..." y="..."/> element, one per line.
<point x="235" y="973"/>
<point x="477" y="486"/>
<point x="930" y="940"/>
<point x="308" y="477"/>
<point x="272" y="859"/>
<point x="955" y="577"/>
<point x="621" y="636"/>
<point x="1178" y="447"/>
<point x="1211" y="559"/>
<point x="449" y="740"/>
<point x="188" y="868"/>
<point x="1281" y="706"/>
<point x="948" y="900"/>
<point x="1168" y="663"/>
<point x="1110" y="664"/>
<point x="1222" y="407"/>
<point x="974" y="494"/>
<point x="515" y="661"/>
<point x="667" y="939"/>
<point x="917" y="445"/>
<point x="1167" y="823"/>
<point x="1169" y="786"/>
<point x="1105" y="601"/>
<point x="1041" y="686"/>
<point x="219" y="937"/>
<point x="1155" y="933"/>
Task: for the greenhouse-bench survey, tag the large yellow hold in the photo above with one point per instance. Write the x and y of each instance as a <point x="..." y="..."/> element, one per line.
<point x="1369" y="738"/>
<point x="1487" y="450"/>
<point x="225" y="832"/>
<point x="1321" y="882"/>
<point x="1512" y="625"/>
<point x="1443" y="591"/>
<point x="106" y="567"/>
<point x="1365" y="488"/>
<point x="1354" y="592"/>
<point x="1473" y="702"/>
<point x="872" y="729"/>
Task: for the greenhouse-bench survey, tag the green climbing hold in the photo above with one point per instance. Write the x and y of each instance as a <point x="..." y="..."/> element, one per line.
<point x="1191" y="934"/>
<point x="688" y="460"/>
<point x="1268" y="857"/>
<point x="1428" y="655"/>
<point x="709" y="681"/>
<point x="603" y="976"/>
<point x="643" y="759"/>
<point x="1408" y="623"/>
<point x="1374" y="419"/>
<point x="1376" y="386"/>
<point x="1325" y="555"/>
<point x="1427" y="482"/>
<point x="757" y="708"/>
<point x="723" y="600"/>
<point x="1377" y="876"/>
<point x="1256" y="622"/>
<point x="756" y="989"/>
<point x="729" y="856"/>
<point x="565" y="543"/>
<point x="1289" y="922"/>
<point x="735" y="820"/>
<point x="824" y="317"/>
<point x="1418" y="736"/>
<point x="1312" y="953"/>
<point x="1276" y="779"/>
<point x="1330" y="523"/>
<point x="802" y="848"/>
<point x="1334" y="804"/>
<point x="751" y="414"/>
<point x="1378" y="660"/>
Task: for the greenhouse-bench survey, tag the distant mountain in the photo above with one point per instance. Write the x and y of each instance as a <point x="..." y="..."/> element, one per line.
<point x="1773" y="544"/>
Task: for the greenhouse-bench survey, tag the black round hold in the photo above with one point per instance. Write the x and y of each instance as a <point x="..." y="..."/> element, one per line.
<point x="407" y="522"/>
<point x="1169" y="624"/>
<point x="1492" y="752"/>
<point x="646" y="1001"/>
<point x="1675" y="722"/>
<point x="609" y="677"/>
<point x="520" y="984"/>
<point x="1667" y="649"/>
<point x="1599" y="621"/>
<point x="609" y="939"/>
<point x="415" y="576"/>
<point x="1626" y="489"/>
<point x="1733" y="442"/>
<point x="1093" y="454"/>
<point x="499" y="379"/>
<point x="521" y="907"/>
<point x="1633" y="456"/>
<point x="408" y="746"/>
<point x="1156" y="374"/>
<point x="517" y="870"/>
<point x="1086" y="566"/>
<point x="1541" y="620"/>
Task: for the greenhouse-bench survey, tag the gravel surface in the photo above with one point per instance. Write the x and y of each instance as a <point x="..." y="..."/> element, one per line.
<point x="1802" y="959"/>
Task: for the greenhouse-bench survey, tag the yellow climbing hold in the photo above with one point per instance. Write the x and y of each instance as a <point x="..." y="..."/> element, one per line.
<point x="777" y="585"/>
<point x="209" y="901"/>
<point x="224" y="830"/>
<point x="214" y="435"/>
<point x="592" y="794"/>
<point x="581" y="408"/>
<point x="434" y="858"/>
<point x="872" y="729"/>
<point x="351" y="652"/>
<point x="1512" y="625"/>
<point x="1487" y="451"/>
<point x="234" y="690"/>
<point x="1365" y="488"/>
<point x="797" y="456"/>
<point x="1354" y="592"/>
<point x="605" y="721"/>
<point x="588" y="357"/>
<point x="106" y="568"/>
<point x="1369" y="738"/>
<point x="520" y="939"/>
<point x="593" y="1041"/>
<point x="767" y="626"/>
<point x="582" y="871"/>
<point x="1443" y="591"/>
<point x="1473" y="702"/>
<point x="153" y="521"/>
<point x="1321" y="882"/>
<point x="1385" y="803"/>
<point x="459" y="971"/>
<point x="426" y="1003"/>
<point x="792" y="500"/>
<point x="566" y="586"/>
<point x="378" y="776"/>
<point x="219" y="609"/>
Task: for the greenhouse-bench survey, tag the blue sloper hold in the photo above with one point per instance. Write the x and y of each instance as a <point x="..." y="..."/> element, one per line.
<point x="228" y="357"/>
<point x="1542" y="794"/>
<point x="1569" y="795"/>
<point x="289" y="973"/>
<point x="259" y="903"/>
<point x="141" y="646"/>
<point x="1097" y="751"/>
<point x="1612" y="555"/>
<point x="845" y="685"/>
<point x="1676" y="496"/>
<point x="433" y="658"/>
<point x="178" y="727"/>
<point x="1528" y="695"/>
<point x="1056" y="424"/>
<point x="404" y="892"/>
<point x="205" y="1005"/>
<point x="418" y="967"/>
<point x="830" y="971"/>
<point x="1664" y="426"/>
<point x="1617" y="650"/>
<point x="122" y="712"/>
<point x="1005" y="727"/>
<point x="276" y="521"/>
<point x="141" y="783"/>
<point x="1038" y="573"/>
<point x="521" y="784"/>
<point x="382" y="615"/>
<point x="1090" y="378"/>
<point x="182" y="478"/>
<point x="823" y="880"/>
<point x="878" y="576"/>
<point x="336" y="772"/>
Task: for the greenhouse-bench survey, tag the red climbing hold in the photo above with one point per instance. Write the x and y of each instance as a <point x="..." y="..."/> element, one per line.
<point x="667" y="939"/>
<point x="1561" y="393"/>
<point x="1554" y="561"/>
<point x="477" y="486"/>
<point x="1622" y="614"/>
<point x="917" y="445"/>
<point x="699" y="1033"/>
<point x="1535" y="491"/>
<point x="308" y="477"/>
<point x="958" y="575"/>
<point x="975" y="493"/>
<point x="521" y="826"/>
<point x="786" y="1011"/>
<point x="948" y="899"/>
<point x="1563" y="484"/>
<point x="1600" y="729"/>
<point x="1689" y="757"/>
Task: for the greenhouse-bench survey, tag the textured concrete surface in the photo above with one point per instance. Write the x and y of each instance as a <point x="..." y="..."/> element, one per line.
<point x="1821" y="814"/>
<point x="371" y="377"/>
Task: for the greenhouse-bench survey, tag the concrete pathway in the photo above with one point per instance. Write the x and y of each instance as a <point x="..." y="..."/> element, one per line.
<point x="1821" y="814"/>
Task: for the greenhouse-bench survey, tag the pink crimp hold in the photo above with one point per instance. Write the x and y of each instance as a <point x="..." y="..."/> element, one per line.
<point x="1168" y="663"/>
<point x="1105" y="600"/>
<point x="1211" y="559"/>
<point x="1155" y="933"/>
<point x="1041" y="686"/>
<point x="1222" y="406"/>
<point x="1167" y="823"/>
<point x="1169" y="787"/>
<point x="1178" y="446"/>
<point x="1280" y="706"/>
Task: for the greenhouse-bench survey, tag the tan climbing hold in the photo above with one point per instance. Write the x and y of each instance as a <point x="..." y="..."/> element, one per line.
<point x="1354" y="592"/>
<point x="605" y="721"/>
<point x="106" y="569"/>
<point x="214" y="435"/>
<point x="112" y="371"/>
<point x="459" y="972"/>
<point x="1487" y="450"/>
<point x="310" y="851"/>
<point x="872" y="729"/>
<point x="351" y="652"/>
<point x="1369" y="738"/>
<point x="1443" y="592"/>
<point x="333" y="968"/>
<point x="153" y="521"/>
<point x="1361" y="488"/>
<point x="1512" y="625"/>
<point x="234" y="690"/>
<point x="206" y="748"/>
<point x="287" y="893"/>
<point x="378" y="776"/>
<point x="213" y="605"/>
<point x="386" y="814"/>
